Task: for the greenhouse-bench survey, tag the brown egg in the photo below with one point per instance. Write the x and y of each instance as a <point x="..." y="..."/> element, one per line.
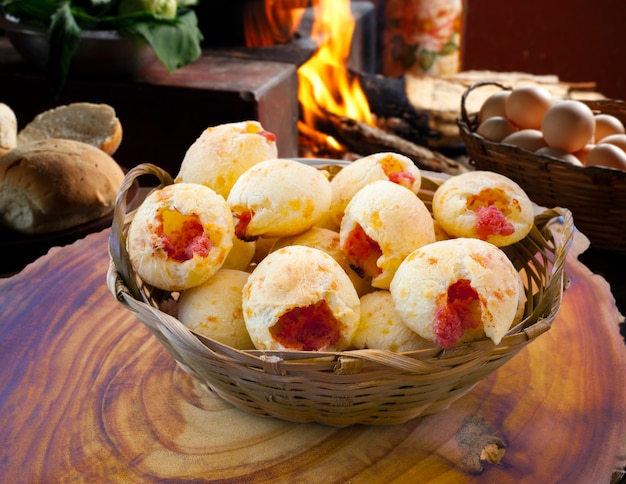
<point x="494" y="105"/>
<point x="526" y="106"/>
<point x="606" y="125"/>
<point x="560" y="154"/>
<point x="618" y="140"/>
<point x="568" y="125"/>
<point x="607" y="155"/>
<point x="495" y="128"/>
<point x="529" y="139"/>
<point x="584" y="153"/>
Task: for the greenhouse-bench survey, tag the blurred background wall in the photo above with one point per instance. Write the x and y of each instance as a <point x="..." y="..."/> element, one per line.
<point x="578" y="40"/>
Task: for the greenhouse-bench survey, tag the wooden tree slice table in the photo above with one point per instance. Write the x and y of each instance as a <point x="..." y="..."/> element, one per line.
<point x="88" y="395"/>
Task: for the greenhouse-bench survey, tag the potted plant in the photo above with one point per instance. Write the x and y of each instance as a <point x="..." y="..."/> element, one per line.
<point x="55" y="31"/>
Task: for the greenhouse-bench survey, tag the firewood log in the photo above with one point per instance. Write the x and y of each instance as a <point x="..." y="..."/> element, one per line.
<point x="365" y="139"/>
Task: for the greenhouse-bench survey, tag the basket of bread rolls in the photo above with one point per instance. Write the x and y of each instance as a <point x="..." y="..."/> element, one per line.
<point x="367" y="292"/>
<point x="562" y="152"/>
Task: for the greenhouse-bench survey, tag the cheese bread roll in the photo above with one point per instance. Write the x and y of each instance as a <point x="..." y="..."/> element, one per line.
<point x="328" y="241"/>
<point x="241" y="255"/>
<point x="276" y="198"/>
<point x="381" y="327"/>
<point x="457" y="290"/>
<point x="213" y="309"/>
<point x="383" y="223"/>
<point x="483" y="205"/>
<point x="392" y="167"/>
<point x="180" y="236"/>
<point x="299" y="298"/>
<point x="222" y="153"/>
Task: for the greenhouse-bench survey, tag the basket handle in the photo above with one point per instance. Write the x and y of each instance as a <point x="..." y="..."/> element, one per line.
<point x="466" y="93"/>
<point x="121" y="220"/>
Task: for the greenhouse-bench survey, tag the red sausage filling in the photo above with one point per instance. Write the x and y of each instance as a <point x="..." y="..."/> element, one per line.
<point x="309" y="328"/>
<point x="492" y="206"/>
<point x="491" y="221"/>
<point x="458" y="310"/>
<point x="362" y="252"/>
<point x="402" y="178"/>
<point x="268" y="135"/>
<point x="393" y="170"/>
<point x="241" y="227"/>
<point x="182" y="236"/>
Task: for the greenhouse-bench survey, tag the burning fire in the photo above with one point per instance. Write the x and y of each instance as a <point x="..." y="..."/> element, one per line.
<point x="271" y="21"/>
<point x="325" y="84"/>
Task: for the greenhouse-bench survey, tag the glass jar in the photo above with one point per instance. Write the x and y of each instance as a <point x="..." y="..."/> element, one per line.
<point x="422" y="37"/>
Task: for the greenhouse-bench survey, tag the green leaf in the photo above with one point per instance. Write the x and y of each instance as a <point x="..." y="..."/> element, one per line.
<point x="426" y="60"/>
<point x="175" y="41"/>
<point x="64" y="36"/>
<point x="448" y="48"/>
<point x="175" y="44"/>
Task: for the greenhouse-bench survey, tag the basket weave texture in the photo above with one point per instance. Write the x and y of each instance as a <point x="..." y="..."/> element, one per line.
<point x="595" y="195"/>
<point x="350" y="387"/>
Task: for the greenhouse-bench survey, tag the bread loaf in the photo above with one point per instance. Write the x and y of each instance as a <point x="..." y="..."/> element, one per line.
<point x="8" y="129"/>
<point x="94" y="124"/>
<point x="51" y="185"/>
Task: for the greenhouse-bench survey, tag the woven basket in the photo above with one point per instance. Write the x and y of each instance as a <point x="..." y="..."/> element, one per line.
<point x="596" y="196"/>
<point x="349" y="387"/>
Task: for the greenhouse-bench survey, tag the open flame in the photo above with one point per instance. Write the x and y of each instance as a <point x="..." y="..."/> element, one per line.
<point x="272" y="22"/>
<point x="325" y="84"/>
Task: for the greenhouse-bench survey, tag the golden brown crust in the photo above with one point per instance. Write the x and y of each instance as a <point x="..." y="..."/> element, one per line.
<point x="113" y="142"/>
<point x="94" y="124"/>
<point x="51" y="185"/>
